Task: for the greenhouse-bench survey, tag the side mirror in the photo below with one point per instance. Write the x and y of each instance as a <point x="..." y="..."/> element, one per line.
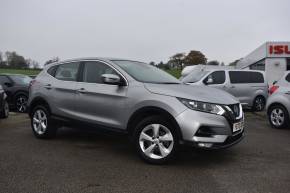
<point x="111" y="79"/>
<point x="8" y="84"/>
<point x="209" y="80"/>
<point x="275" y="82"/>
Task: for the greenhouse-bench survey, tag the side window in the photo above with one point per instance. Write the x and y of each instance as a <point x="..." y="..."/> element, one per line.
<point x="93" y="71"/>
<point x="217" y="77"/>
<point x="288" y="78"/>
<point x="67" y="72"/>
<point x="52" y="70"/>
<point x="241" y="77"/>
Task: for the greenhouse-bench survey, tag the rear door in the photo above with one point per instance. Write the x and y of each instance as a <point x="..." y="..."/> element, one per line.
<point x="61" y="88"/>
<point x="246" y="84"/>
<point x="97" y="102"/>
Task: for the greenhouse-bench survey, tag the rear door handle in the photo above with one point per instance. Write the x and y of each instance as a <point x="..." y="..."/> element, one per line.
<point x="47" y="86"/>
<point x="82" y="90"/>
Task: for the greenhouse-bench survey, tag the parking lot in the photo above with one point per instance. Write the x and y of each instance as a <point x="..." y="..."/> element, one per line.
<point x="86" y="161"/>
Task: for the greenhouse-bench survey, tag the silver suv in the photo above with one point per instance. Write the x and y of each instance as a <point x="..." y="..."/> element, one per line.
<point x="155" y="109"/>
<point x="249" y="86"/>
<point x="278" y="104"/>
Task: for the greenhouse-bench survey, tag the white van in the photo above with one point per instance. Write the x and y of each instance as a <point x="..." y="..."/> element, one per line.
<point x="249" y="86"/>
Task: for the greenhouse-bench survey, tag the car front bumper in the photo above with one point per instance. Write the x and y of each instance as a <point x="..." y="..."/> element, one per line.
<point x="210" y="131"/>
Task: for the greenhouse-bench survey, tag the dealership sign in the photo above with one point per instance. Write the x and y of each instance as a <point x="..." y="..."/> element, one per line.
<point x="279" y="50"/>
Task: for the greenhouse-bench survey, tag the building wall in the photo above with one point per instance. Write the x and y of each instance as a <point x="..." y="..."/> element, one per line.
<point x="275" y="68"/>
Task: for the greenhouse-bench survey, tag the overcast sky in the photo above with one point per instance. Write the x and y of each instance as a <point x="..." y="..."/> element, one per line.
<point x="146" y="30"/>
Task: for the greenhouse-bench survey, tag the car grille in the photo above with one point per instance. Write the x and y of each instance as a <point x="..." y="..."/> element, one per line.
<point x="235" y="109"/>
<point x="233" y="113"/>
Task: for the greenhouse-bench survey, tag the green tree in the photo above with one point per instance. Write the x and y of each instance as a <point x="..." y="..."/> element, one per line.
<point x="152" y="63"/>
<point x="52" y="60"/>
<point x="234" y="63"/>
<point x="195" y="57"/>
<point x="15" y="61"/>
<point x="177" y="60"/>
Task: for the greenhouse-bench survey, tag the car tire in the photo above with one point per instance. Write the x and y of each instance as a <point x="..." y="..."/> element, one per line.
<point x="278" y="117"/>
<point x="42" y="125"/>
<point x="155" y="140"/>
<point x="259" y="104"/>
<point x="5" y="111"/>
<point x="21" y="103"/>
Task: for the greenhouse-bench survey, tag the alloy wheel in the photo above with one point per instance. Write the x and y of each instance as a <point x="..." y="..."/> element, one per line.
<point x="39" y="122"/>
<point x="259" y="104"/>
<point x="21" y="103"/>
<point x="277" y="117"/>
<point x="156" y="141"/>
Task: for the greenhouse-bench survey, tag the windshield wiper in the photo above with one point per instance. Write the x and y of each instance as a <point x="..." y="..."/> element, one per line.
<point x="170" y="83"/>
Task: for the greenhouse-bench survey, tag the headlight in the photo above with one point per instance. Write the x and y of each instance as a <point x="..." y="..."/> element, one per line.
<point x="202" y="106"/>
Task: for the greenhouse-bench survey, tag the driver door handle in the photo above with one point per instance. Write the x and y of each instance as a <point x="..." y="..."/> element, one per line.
<point x="47" y="86"/>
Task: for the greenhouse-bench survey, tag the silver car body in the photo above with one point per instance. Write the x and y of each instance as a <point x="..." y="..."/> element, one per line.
<point x="282" y="94"/>
<point x="245" y="92"/>
<point x="114" y="106"/>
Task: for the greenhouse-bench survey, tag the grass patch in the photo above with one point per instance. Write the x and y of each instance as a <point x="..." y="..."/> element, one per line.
<point x="19" y="71"/>
<point x="174" y="72"/>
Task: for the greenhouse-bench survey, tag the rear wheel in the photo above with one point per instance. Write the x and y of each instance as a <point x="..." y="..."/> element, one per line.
<point x="155" y="140"/>
<point x="5" y="110"/>
<point x="259" y="103"/>
<point x="21" y="103"/>
<point x="278" y="117"/>
<point x="41" y="123"/>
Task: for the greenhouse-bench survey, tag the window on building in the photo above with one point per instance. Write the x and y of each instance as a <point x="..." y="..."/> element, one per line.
<point x="258" y="65"/>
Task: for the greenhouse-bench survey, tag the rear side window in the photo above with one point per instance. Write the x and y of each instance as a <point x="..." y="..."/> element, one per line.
<point x="52" y="70"/>
<point x="240" y="77"/>
<point x="4" y="79"/>
<point x="67" y="72"/>
<point x="93" y="72"/>
<point x="288" y="78"/>
<point x="217" y="77"/>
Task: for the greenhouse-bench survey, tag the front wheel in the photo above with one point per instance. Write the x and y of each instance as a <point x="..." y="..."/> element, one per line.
<point x="278" y="117"/>
<point x="156" y="140"/>
<point x="21" y="103"/>
<point x="42" y="125"/>
<point x="259" y="103"/>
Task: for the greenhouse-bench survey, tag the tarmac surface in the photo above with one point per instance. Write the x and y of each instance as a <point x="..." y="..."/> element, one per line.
<point x="79" y="160"/>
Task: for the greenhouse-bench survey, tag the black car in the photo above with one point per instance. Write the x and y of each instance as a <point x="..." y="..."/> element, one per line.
<point x="16" y="87"/>
<point x="4" y="108"/>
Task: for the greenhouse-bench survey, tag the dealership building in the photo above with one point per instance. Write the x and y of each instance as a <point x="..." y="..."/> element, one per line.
<point x="271" y="57"/>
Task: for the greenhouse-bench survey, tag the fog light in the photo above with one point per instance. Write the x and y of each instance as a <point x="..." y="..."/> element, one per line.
<point x="207" y="145"/>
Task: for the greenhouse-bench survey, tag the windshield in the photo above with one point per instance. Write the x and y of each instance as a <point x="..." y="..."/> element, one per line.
<point x="146" y="73"/>
<point x="194" y="76"/>
<point x="20" y="79"/>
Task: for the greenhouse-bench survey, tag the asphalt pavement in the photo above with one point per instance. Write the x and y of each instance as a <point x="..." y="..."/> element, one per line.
<point x="79" y="160"/>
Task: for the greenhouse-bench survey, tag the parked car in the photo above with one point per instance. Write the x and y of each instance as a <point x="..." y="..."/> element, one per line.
<point x="278" y="104"/>
<point x="249" y="86"/>
<point x="4" y="108"/>
<point x="154" y="108"/>
<point x="16" y="88"/>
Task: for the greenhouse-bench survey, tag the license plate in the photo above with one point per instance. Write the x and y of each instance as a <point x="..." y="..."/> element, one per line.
<point x="238" y="126"/>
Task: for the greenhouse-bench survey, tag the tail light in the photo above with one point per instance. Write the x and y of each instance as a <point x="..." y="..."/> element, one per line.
<point x="273" y="89"/>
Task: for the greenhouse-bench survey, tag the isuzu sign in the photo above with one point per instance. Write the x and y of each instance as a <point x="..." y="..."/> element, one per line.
<point x="279" y="50"/>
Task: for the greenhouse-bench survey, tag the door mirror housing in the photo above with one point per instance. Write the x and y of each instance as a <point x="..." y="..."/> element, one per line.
<point x="112" y="79"/>
<point x="275" y="82"/>
<point x="209" y="80"/>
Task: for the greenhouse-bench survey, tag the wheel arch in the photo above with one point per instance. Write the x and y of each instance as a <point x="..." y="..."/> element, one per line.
<point x="143" y="112"/>
<point x="38" y="101"/>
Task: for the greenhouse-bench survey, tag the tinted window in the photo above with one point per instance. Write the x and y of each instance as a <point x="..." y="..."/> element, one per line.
<point x="67" y="72"/>
<point x="217" y="77"/>
<point x="93" y="72"/>
<point x="3" y="79"/>
<point x="288" y="78"/>
<point x="52" y="70"/>
<point x="240" y="77"/>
